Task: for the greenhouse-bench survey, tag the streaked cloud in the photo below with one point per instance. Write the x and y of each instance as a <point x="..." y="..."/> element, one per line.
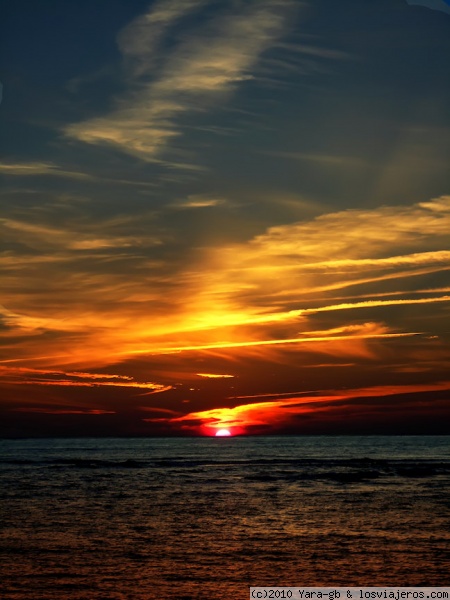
<point x="198" y="201"/>
<point x="198" y="71"/>
<point x="282" y="341"/>
<point x="32" y="169"/>
<point x="77" y="234"/>
<point x="328" y="160"/>
<point x="379" y="303"/>
<point x="219" y="303"/>
<point x="139" y="40"/>
<point x="214" y="376"/>
<point x="64" y="411"/>
<point x="38" y="377"/>
<point x="272" y="415"/>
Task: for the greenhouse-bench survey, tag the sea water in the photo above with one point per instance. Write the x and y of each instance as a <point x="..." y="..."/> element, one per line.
<point x="206" y="518"/>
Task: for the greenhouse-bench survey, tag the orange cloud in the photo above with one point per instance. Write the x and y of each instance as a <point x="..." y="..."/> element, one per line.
<point x="46" y="377"/>
<point x="274" y="415"/>
<point x="214" y="376"/>
<point x="217" y="303"/>
<point x="62" y="411"/>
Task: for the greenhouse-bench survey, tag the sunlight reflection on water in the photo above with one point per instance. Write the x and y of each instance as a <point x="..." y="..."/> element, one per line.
<point x="142" y="518"/>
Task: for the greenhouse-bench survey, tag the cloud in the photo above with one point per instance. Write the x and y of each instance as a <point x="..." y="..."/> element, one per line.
<point x="359" y="233"/>
<point x="23" y="169"/>
<point x="64" y="411"/>
<point x="439" y="5"/>
<point x="76" y="235"/>
<point x="275" y="342"/>
<point x="327" y="160"/>
<point x="329" y="252"/>
<point x="186" y="78"/>
<point x="46" y="377"/>
<point x="378" y="303"/>
<point x="245" y="283"/>
<point x="279" y="413"/>
<point x="214" y="376"/>
<point x="274" y="294"/>
<point x="140" y="39"/>
<point x="32" y="169"/>
<point x="276" y="414"/>
<point x="198" y="201"/>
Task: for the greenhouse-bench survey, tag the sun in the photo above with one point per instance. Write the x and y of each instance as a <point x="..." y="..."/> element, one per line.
<point x="222" y="433"/>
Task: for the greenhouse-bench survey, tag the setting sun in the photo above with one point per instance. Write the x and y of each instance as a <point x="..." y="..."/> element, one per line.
<point x="222" y="433"/>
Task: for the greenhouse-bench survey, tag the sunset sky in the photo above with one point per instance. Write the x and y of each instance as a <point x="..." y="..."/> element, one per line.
<point x="224" y="214"/>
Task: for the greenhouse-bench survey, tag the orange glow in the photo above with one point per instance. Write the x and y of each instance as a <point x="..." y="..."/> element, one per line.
<point x="100" y="335"/>
<point x="263" y="321"/>
<point x="272" y="414"/>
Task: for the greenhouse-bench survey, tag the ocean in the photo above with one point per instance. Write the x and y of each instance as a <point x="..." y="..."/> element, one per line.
<point x="206" y="518"/>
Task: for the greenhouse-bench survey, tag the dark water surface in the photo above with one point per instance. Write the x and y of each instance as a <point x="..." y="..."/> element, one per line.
<point x="207" y="518"/>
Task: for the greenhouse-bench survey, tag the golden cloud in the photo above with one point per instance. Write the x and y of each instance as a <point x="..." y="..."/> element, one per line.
<point x="144" y="121"/>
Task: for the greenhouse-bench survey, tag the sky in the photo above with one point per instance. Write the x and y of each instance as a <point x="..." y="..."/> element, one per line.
<point x="224" y="215"/>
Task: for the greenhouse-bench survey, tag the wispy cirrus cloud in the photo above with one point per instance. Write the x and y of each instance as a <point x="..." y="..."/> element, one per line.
<point x="63" y="411"/>
<point x="190" y="76"/>
<point x="278" y="290"/>
<point x="32" y="169"/>
<point x="46" y="377"/>
<point x="327" y="160"/>
<point x="198" y="201"/>
<point x="331" y="252"/>
<point x="76" y="234"/>
<point x="214" y="376"/>
<point x="140" y="39"/>
<point x="282" y="341"/>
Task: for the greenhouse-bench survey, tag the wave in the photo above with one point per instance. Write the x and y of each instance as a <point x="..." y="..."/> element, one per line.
<point x="349" y="470"/>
